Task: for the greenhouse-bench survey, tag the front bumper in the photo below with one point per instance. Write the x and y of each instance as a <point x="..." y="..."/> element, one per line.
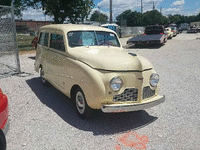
<point x="110" y="108"/>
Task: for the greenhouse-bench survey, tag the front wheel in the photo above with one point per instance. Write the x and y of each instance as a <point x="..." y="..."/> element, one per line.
<point x="84" y="111"/>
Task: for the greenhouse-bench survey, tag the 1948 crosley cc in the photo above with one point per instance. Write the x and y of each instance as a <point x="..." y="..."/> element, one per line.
<point x="89" y="65"/>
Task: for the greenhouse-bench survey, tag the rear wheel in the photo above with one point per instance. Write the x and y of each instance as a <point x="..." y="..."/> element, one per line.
<point x="43" y="80"/>
<point x="83" y="110"/>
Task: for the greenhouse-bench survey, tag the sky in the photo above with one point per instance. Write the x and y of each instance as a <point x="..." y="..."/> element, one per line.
<point x="183" y="7"/>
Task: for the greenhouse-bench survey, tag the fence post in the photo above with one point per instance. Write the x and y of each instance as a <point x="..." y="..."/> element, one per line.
<point x="15" y="39"/>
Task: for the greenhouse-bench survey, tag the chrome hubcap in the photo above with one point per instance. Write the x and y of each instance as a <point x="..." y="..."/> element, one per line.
<point x="80" y="102"/>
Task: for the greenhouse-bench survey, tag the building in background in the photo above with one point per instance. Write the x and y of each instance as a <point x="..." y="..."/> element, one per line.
<point x="28" y="26"/>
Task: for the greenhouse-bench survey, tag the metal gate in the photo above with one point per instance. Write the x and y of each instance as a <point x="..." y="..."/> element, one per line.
<point x="9" y="54"/>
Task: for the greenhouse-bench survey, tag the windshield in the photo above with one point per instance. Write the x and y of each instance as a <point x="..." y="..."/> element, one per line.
<point x="174" y="28"/>
<point x="92" y="38"/>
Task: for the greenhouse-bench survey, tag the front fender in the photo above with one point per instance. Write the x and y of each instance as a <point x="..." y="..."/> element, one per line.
<point x="91" y="83"/>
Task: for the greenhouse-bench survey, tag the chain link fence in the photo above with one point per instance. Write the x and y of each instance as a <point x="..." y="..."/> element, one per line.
<point x="9" y="54"/>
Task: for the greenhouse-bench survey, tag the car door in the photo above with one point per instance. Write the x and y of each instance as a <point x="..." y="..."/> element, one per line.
<point x="57" y="55"/>
<point x="43" y="50"/>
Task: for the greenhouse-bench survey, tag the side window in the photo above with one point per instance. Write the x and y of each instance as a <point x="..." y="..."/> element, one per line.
<point x="44" y="38"/>
<point x="57" y="42"/>
<point x="41" y="39"/>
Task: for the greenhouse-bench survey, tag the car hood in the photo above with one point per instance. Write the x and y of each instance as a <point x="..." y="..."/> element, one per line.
<point x="110" y="58"/>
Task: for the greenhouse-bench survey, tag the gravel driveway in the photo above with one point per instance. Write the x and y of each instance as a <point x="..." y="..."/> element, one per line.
<point x="42" y="118"/>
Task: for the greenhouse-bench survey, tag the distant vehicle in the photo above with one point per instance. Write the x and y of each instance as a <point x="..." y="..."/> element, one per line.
<point x="198" y="29"/>
<point x="110" y="26"/>
<point x="184" y="26"/>
<point x="3" y="119"/>
<point x="192" y="29"/>
<point x="154" y="34"/>
<point x="169" y="32"/>
<point x="175" y="31"/>
<point x="175" y="27"/>
<point x="180" y="30"/>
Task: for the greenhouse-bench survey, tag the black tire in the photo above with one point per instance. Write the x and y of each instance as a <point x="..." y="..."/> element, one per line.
<point x="43" y="80"/>
<point x="83" y="110"/>
<point x="2" y="141"/>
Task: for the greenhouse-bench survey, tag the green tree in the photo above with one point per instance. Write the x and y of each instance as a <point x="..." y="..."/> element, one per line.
<point x="74" y="10"/>
<point x="152" y="17"/>
<point x="99" y="17"/>
<point x="123" y="17"/>
<point x="178" y="19"/>
<point x="19" y="5"/>
<point x="5" y="2"/>
<point x="198" y="17"/>
<point x="175" y="18"/>
<point x="165" y="20"/>
<point x="137" y="19"/>
<point x="134" y="18"/>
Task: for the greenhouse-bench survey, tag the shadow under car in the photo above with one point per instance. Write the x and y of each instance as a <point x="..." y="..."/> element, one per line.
<point x="100" y="124"/>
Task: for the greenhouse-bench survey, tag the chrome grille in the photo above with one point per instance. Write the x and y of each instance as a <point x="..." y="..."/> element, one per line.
<point x="147" y="92"/>
<point x="127" y="95"/>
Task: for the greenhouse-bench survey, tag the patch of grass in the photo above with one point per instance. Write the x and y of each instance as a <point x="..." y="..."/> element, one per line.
<point x="24" y="42"/>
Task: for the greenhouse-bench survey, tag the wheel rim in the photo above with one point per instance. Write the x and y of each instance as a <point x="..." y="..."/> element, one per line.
<point x="80" y="102"/>
<point x="42" y="75"/>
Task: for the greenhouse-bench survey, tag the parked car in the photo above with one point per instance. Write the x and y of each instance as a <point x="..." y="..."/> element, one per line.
<point x="192" y="29"/>
<point x="153" y="34"/>
<point x="198" y="29"/>
<point x="180" y="30"/>
<point x="174" y="30"/>
<point x="169" y="32"/>
<point x="4" y="123"/>
<point x="110" y="26"/>
<point x="89" y="65"/>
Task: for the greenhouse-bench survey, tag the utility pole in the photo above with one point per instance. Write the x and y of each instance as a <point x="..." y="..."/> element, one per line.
<point x="141" y="13"/>
<point x="110" y="11"/>
<point x="153" y="4"/>
<point x="161" y="10"/>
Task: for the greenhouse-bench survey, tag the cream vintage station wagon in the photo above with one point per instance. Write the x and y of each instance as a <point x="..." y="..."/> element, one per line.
<point x="89" y="65"/>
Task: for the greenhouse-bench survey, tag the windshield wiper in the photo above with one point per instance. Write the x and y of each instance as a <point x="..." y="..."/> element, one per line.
<point x="76" y="44"/>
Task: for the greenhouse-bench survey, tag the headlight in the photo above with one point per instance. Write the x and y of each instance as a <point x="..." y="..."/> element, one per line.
<point x="116" y="83"/>
<point x="154" y="79"/>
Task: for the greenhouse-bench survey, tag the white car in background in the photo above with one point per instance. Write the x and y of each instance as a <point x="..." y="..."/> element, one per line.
<point x="175" y="31"/>
<point x="169" y="32"/>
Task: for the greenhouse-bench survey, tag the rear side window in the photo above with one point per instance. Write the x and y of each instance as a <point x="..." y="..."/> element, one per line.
<point x="57" y="42"/>
<point x="44" y="38"/>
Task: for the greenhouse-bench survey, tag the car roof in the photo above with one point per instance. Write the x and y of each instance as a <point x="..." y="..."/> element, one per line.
<point x="74" y="27"/>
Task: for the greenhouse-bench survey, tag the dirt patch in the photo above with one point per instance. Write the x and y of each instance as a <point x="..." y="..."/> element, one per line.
<point x="27" y="52"/>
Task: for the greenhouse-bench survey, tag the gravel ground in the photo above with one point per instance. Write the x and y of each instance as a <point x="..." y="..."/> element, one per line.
<point x="42" y="118"/>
